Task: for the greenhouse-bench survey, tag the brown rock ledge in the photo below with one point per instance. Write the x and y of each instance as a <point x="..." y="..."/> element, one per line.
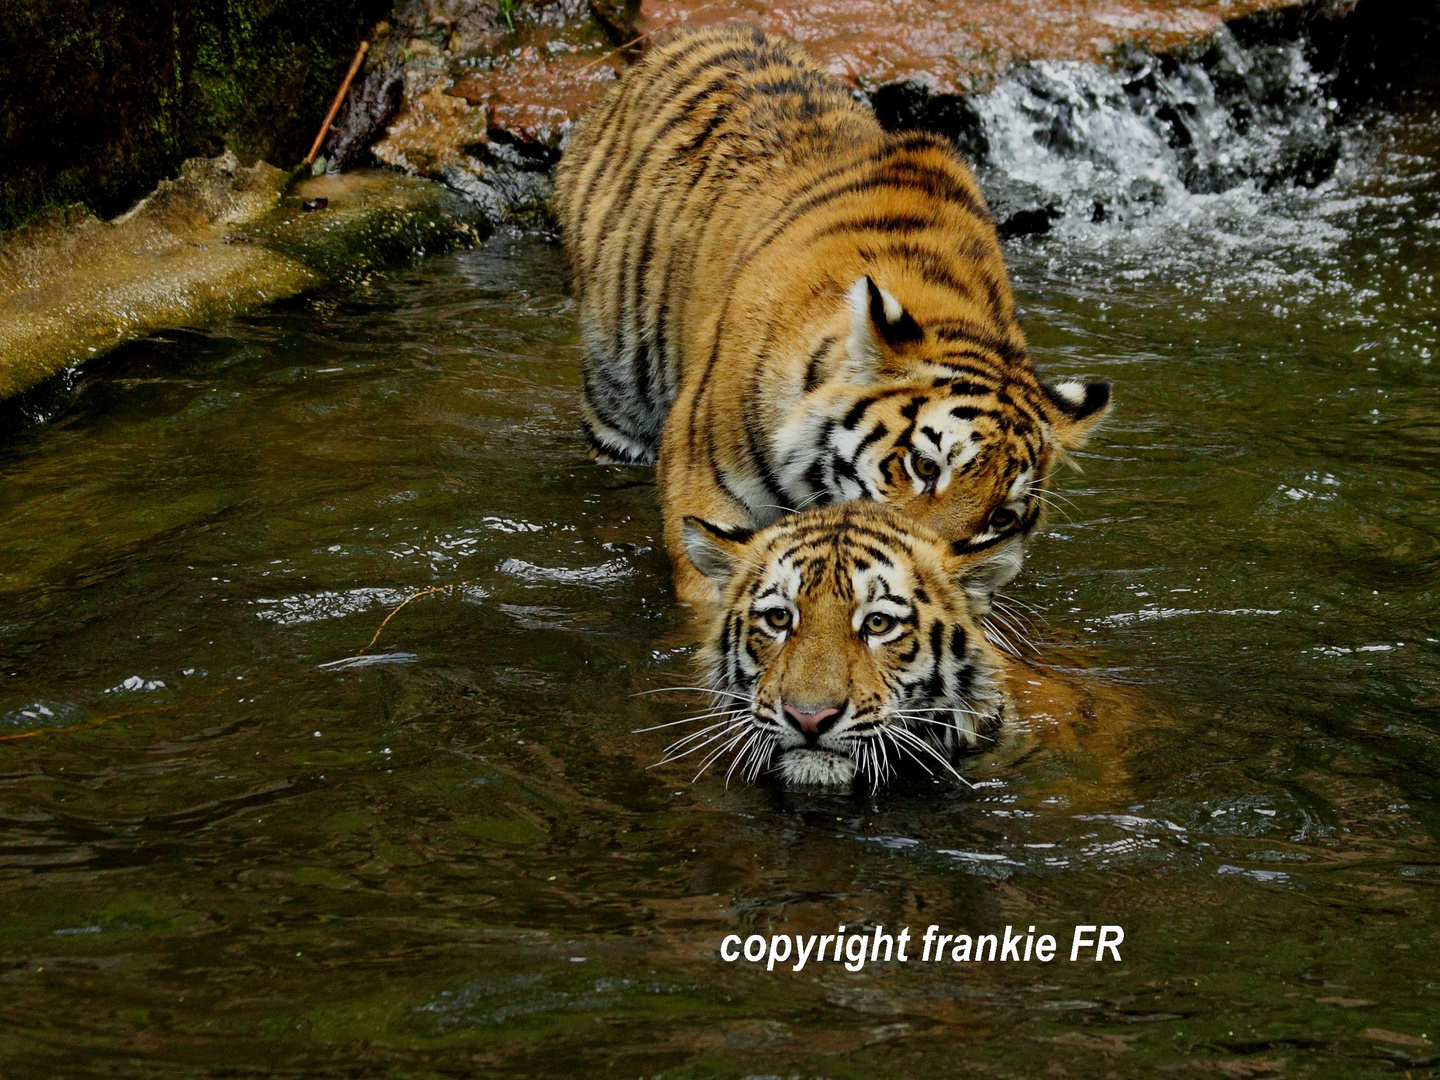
<point x="954" y="46"/>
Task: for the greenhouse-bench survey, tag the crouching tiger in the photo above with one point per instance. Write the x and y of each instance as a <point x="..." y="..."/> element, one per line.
<point x="792" y="307"/>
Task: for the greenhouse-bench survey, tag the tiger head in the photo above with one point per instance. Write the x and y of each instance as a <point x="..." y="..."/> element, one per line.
<point x="941" y="418"/>
<point x="845" y="645"/>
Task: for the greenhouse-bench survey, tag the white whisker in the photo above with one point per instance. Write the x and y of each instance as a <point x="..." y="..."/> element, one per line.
<point x="740" y="755"/>
<point x="700" y="737"/>
<point x="951" y="727"/>
<point x="921" y="744"/>
<point x="674" y="751"/>
<point x="899" y="745"/>
<point x="690" y="720"/>
<point x="696" y="689"/>
<point x="764" y="750"/>
<point x="715" y="756"/>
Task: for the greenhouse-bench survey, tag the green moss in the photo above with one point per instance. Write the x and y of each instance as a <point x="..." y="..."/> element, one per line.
<point x="101" y="100"/>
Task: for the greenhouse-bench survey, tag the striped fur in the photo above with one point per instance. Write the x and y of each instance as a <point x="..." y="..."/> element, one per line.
<point x="791" y="307"/>
<point x="853" y="608"/>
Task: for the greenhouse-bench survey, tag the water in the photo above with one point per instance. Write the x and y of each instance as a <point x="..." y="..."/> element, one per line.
<point x="1133" y="142"/>
<point x="237" y="839"/>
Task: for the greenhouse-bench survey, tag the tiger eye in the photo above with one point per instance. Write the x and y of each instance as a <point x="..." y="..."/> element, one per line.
<point x="924" y="467"/>
<point x="1004" y="519"/>
<point x="877" y="623"/>
<point x="777" y="618"/>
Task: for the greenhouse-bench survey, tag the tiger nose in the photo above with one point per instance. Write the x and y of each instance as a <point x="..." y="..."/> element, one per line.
<point x="812" y="721"/>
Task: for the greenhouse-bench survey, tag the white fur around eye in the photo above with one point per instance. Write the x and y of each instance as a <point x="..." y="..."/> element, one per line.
<point x="1018" y="490"/>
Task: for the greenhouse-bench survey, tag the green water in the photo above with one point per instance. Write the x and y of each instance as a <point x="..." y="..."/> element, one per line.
<point x="224" y="853"/>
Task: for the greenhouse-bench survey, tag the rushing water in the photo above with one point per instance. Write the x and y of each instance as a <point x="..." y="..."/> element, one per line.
<point x="1135" y="141"/>
<point x="238" y="839"/>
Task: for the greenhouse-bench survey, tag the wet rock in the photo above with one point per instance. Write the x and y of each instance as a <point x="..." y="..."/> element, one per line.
<point x="1019" y="209"/>
<point x="436" y="132"/>
<point x="1306" y="159"/>
<point x="209" y="191"/>
<point x="372" y="217"/>
<point x="506" y="194"/>
<point x="618" y="17"/>
<point x="368" y="109"/>
<point x="490" y="116"/>
<point x="953" y="46"/>
<point x="916" y="63"/>
<point x="535" y="98"/>
<point x="1032" y="222"/>
<point x="1144" y="133"/>
<point x="1380" y="50"/>
<point x="909" y="105"/>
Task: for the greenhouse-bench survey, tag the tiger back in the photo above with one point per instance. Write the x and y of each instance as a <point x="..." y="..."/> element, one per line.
<point x="790" y="307"/>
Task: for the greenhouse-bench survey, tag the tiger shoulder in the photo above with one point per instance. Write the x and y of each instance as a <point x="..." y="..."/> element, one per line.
<point x="783" y="305"/>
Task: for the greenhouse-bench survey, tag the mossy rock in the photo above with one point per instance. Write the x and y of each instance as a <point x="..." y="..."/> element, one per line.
<point x="220" y="239"/>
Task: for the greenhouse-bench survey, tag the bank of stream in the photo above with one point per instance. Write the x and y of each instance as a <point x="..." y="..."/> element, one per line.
<point x="236" y="838"/>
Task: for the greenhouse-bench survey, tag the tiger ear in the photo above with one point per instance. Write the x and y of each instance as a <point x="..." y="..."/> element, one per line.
<point x="983" y="574"/>
<point x="877" y="320"/>
<point x="715" y="549"/>
<point x="1075" y="408"/>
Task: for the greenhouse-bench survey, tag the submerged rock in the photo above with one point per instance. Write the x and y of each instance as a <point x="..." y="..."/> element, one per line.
<point x="219" y="239"/>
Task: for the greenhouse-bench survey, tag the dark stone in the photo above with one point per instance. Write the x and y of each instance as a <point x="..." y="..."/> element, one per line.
<point x="1381" y="50"/>
<point x="618" y="17"/>
<point x="1035" y="222"/>
<point x="910" y="106"/>
<point x="1018" y="208"/>
<point x="370" y="105"/>
<point x="506" y="148"/>
<point x="1305" y="160"/>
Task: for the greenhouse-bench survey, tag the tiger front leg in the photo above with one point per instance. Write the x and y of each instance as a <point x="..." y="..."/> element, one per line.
<point x="688" y="489"/>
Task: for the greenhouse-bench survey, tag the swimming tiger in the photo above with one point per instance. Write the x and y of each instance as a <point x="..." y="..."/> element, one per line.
<point x="845" y="643"/>
<point x="792" y="307"/>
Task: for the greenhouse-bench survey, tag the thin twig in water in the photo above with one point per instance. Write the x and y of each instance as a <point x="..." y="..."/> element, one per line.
<point x="414" y="596"/>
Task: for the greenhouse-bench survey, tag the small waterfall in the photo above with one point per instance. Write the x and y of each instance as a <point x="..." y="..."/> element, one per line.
<point x="1081" y="142"/>
<point x="1064" y="144"/>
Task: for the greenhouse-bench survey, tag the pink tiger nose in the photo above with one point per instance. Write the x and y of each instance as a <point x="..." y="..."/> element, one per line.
<point x="809" y="722"/>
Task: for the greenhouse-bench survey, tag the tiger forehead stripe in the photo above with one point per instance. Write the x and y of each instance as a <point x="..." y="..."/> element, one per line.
<point x="827" y="534"/>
